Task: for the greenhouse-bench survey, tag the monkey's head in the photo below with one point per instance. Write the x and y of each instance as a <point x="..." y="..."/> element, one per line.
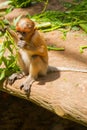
<point x="25" y="28"/>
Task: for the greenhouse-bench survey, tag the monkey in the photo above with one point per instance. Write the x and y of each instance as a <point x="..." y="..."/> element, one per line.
<point x="32" y="54"/>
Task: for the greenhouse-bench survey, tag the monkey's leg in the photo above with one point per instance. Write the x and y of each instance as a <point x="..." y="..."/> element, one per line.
<point x="35" y="68"/>
<point x="30" y="79"/>
<point x="14" y="77"/>
<point x="27" y="83"/>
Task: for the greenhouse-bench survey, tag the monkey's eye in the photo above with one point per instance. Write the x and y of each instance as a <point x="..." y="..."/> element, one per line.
<point x="22" y="33"/>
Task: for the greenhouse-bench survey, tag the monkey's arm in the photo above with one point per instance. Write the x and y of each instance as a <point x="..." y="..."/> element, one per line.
<point x="40" y="51"/>
<point x="38" y="45"/>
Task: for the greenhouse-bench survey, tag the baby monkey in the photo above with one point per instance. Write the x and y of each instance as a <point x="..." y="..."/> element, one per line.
<point x="32" y="54"/>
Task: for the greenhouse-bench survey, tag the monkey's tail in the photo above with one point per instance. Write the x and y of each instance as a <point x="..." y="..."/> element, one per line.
<point x="55" y="69"/>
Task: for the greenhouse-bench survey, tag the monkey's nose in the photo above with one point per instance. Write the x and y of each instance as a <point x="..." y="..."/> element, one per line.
<point x="21" y="38"/>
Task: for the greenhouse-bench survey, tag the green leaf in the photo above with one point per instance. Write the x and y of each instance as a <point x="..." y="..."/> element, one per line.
<point x="15" y="20"/>
<point x="84" y="27"/>
<point x="2" y="74"/>
<point x="4" y="60"/>
<point x="9" y="61"/>
<point x="8" y="10"/>
<point x="75" y="28"/>
<point x="1" y="50"/>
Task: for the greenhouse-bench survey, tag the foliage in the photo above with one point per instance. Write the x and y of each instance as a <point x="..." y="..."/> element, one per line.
<point x="24" y="3"/>
<point x="75" y="17"/>
<point x="8" y="63"/>
<point x="82" y="48"/>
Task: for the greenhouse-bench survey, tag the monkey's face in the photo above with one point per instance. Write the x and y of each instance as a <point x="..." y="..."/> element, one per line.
<point x="25" y="28"/>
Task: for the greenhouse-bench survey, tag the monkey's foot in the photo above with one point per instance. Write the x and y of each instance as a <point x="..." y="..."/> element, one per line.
<point x="14" y="77"/>
<point x="27" y="85"/>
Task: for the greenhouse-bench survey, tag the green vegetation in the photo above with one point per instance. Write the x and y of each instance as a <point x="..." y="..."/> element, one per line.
<point x="55" y="48"/>
<point x="8" y="62"/>
<point x="82" y="48"/>
<point x="76" y="17"/>
<point x="24" y="3"/>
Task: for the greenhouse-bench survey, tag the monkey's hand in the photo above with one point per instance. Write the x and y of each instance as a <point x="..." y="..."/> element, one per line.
<point x="27" y="84"/>
<point x="21" y="43"/>
<point x="14" y="77"/>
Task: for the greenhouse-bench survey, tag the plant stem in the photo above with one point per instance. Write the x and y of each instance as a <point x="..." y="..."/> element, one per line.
<point x="82" y="47"/>
<point x="55" y="48"/>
